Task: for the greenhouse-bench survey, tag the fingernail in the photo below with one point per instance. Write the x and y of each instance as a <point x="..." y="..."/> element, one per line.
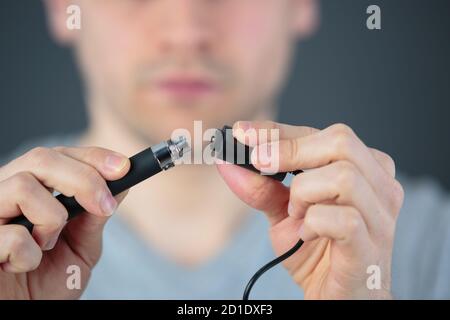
<point x="115" y="162"/>
<point x="244" y="125"/>
<point x="108" y="204"/>
<point x="290" y="209"/>
<point x="51" y="243"/>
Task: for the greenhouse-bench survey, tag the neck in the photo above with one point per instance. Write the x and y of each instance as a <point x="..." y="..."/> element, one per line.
<point x="176" y="210"/>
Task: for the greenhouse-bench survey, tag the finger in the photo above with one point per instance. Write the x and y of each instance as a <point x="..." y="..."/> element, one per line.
<point x="111" y="165"/>
<point x="257" y="191"/>
<point x="23" y="194"/>
<point x="286" y="132"/>
<point x="342" y="224"/>
<point x="253" y="133"/>
<point x="338" y="183"/>
<point x="332" y="144"/>
<point x="90" y="226"/>
<point x="84" y="234"/>
<point x="385" y="161"/>
<point x="68" y="176"/>
<point x="18" y="252"/>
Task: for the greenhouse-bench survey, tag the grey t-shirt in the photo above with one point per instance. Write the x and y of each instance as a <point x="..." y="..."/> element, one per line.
<point x="130" y="269"/>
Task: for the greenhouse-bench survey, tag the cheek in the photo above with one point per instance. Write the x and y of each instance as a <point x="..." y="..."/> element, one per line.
<point x="248" y="36"/>
<point x="107" y="49"/>
<point x="258" y="37"/>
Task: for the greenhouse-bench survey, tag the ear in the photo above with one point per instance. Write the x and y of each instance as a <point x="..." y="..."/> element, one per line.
<point x="57" y="15"/>
<point x="305" y="17"/>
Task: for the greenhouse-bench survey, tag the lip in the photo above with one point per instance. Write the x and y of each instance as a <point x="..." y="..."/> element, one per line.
<point x="186" y="86"/>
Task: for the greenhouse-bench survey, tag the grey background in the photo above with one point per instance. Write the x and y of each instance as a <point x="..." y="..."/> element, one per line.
<point x="391" y="86"/>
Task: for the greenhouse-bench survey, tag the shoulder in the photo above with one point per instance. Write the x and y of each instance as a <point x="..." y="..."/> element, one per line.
<point x="43" y="141"/>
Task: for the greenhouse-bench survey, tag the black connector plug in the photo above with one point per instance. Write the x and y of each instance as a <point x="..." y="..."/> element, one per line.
<point x="227" y="148"/>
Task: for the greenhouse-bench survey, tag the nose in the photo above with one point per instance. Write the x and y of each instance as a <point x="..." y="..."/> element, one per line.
<point x="185" y="26"/>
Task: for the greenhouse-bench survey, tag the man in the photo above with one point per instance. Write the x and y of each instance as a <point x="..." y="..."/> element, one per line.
<point x="151" y="67"/>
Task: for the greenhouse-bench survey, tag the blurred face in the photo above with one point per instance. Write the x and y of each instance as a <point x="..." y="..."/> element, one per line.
<point x="158" y="65"/>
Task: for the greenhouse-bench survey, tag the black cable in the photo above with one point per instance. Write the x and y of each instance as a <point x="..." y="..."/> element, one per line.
<point x="268" y="266"/>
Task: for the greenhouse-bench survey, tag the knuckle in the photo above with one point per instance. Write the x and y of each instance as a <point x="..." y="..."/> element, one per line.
<point x="18" y="239"/>
<point x="23" y="183"/>
<point x="273" y="131"/>
<point x="310" y="217"/>
<point x="310" y="131"/>
<point x="59" y="148"/>
<point x="343" y="140"/>
<point x="35" y="260"/>
<point x="353" y="221"/>
<point x="296" y="183"/>
<point x="297" y="189"/>
<point x="348" y="177"/>
<point x="64" y="216"/>
<point x="342" y="129"/>
<point x="269" y="124"/>
<point x="29" y="254"/>
<point x="58" y="220"/>
<point x="96" y="156"/>
<point x="293" y="147"/>
<point x="264" y="124"/>
<point x="308" y="222"/>
<point x="398" y="195"/>
<point x="91" y="178"/>
<point x="41" y="155"/>
<point x="387" y="160"/>
<point x="311" y="211"/>
<point x="94" y="153"/>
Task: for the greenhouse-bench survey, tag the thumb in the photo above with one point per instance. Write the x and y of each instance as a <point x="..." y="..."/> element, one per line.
<point x="259" y="192"/>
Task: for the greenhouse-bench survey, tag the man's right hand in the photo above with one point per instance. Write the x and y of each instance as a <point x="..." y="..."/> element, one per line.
<point x="35" y="266"/>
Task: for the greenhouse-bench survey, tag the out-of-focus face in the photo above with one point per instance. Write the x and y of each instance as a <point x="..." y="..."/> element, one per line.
<point x="161" y="64"/>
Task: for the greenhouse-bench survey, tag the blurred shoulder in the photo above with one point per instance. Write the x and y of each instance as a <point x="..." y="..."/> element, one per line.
<point x="425" y="197"/>
<point x="421" y="260"/>
<point x="69" y="139"/>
